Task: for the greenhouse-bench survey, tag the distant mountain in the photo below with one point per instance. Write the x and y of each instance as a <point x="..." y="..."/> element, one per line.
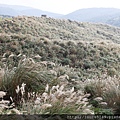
<point x="8" y="11"/>
<point x="114" y="21"/>
<point x="37" y="12"/>
<point x="15" y="10"/>
<point x="97" y="15"/>
<point x="92" y="14"/>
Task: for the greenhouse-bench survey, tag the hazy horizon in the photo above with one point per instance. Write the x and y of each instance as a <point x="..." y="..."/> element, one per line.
<point x="63" y="6"/>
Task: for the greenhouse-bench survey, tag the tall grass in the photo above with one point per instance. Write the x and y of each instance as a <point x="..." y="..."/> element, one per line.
<point x="106" y="87"/>
<point x="59" y="100"/>
<point x="32" y="74"/>
<point x="35" y="89"/>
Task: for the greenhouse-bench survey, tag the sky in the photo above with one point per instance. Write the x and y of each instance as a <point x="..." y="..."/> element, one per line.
<point x="63" y="6"/>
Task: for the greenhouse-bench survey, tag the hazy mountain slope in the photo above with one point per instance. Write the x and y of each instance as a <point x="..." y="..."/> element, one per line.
<point x="101" y="15"/>
<point x="114" y="21"/>
<point x="37" y="12"/>
<point x="95" y="15"/>
<point x="9" y="11"/>
<point x="15" y="10"/>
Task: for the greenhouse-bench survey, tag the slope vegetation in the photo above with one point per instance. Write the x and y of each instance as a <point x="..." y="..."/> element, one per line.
<point x="59" y="29"/>
<point x="82" y="45"/>
<point x="59" y="59"/>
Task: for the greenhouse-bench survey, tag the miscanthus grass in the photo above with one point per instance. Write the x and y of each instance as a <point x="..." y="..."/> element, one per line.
<point x="106" y="87"/>
<point x="59" y="100"/>
<point x="37" y="88"/>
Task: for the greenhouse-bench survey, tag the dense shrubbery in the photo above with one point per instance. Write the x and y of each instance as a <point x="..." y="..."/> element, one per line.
<point x="81" y="55"/>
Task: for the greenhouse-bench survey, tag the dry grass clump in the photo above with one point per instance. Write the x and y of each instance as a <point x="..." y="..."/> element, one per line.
<point x="106" y="87"/>
<point x="59" y="100"/>
<point x="54" y="100"/>
<point x="65" y="92"/>
<point x="33" y="74"/>
<point x="6" y="107"/>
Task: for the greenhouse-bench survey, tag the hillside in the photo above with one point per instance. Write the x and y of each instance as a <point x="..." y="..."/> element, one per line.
<point x="8" y="11"/>
<point x="74" y="43"/>
<point x="59" y="29"/>
<point x="58" y="59"/>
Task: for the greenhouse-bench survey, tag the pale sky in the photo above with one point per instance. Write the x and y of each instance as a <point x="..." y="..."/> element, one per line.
<point x="63" y="6"/>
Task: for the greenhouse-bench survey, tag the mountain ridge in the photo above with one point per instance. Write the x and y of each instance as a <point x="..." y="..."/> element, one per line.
<point x="96" y="15"/>
<point x="18" y="10"/>
<point x="93" y="15"/>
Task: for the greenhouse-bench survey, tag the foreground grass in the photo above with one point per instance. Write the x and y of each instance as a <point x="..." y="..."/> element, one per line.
<point x="38" y="89"/>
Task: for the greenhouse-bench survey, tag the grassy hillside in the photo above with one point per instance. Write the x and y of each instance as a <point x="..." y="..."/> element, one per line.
<point x="59" y="29"/>
<point x="82" y="45"/>
<point x="41" y="51"/>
